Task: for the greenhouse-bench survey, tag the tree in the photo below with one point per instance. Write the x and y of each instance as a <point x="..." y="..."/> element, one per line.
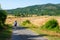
<point x="3" y="15"/>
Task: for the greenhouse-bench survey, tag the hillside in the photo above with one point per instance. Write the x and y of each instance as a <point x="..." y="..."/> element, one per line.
<point x="44" y="9"/>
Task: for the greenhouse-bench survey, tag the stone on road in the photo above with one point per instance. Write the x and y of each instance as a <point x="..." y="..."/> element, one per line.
<point x="22" y="33"/>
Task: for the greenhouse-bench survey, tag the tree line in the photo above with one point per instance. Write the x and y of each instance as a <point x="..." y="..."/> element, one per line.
<point x="44" y="9"/>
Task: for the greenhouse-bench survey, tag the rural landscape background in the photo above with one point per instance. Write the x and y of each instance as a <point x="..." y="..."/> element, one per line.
<point x="43" y="19"/>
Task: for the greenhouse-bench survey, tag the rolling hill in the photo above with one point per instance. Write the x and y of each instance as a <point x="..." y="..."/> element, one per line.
<point x="44" y="9"/>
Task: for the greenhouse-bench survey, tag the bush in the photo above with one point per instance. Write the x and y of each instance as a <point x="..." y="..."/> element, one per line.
<point x="51" y="24"/>
<point x="1" y="26"/>
<point x="3" y="17"/>
<point x="26" y="22"/>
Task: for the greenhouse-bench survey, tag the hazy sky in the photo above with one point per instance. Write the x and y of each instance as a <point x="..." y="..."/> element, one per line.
<point x="12" y="4"/>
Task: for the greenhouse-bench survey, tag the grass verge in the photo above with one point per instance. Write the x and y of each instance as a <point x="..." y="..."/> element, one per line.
<point x="6" y="33"/>
<point x="51" y="35"/>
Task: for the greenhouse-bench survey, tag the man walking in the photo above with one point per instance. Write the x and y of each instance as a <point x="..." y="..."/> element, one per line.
<point x="15" y="24"/>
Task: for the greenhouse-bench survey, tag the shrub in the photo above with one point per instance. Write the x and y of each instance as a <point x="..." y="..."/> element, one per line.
<point x="3" y="16"/>
<point x="26" y="22"/>
<point x="1" y="26"/>
<point x="51" y="24"/>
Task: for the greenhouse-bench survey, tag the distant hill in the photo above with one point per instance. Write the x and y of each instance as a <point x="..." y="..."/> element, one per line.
<point x="44" y="9"/>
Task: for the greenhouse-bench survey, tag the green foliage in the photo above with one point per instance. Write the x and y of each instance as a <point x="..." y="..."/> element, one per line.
<point x="51" y="24"/>
<point x="26" y="22"/>
<point x="6" y="34"/>
<point x="1" y="26"/>
<point x="3" y="16"/>
<point x="45" y="9"/>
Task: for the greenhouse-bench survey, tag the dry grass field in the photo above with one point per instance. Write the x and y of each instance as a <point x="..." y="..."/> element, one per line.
<point x="39" y="20"/>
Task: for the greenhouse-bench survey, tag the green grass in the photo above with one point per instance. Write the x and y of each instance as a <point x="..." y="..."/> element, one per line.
<point x="38" y="31"/>
<point x="6" y="33"/>
<point x="50" y="37"/>
<point x="53" y="38"/>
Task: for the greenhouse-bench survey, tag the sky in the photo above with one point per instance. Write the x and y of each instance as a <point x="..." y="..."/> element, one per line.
<point x="12" y="4"/>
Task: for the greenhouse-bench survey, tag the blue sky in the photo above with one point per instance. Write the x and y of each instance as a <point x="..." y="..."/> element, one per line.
<point x="12" y="4"/>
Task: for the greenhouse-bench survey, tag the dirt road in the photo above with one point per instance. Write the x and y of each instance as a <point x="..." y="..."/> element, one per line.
<point x="22" y="33"/>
